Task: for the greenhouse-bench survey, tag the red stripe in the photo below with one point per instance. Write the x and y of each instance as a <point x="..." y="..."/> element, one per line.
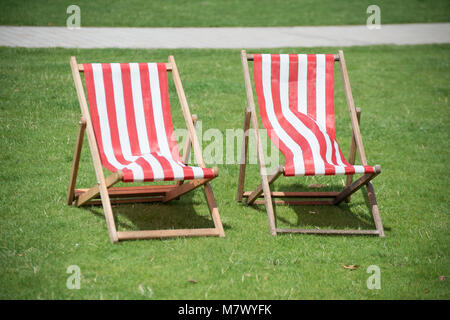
<point x="148" y="107"/>
<point x="293" y="91"/>
<point x="188" y="172"/>
<point x="127" y="175"/>
<point x="311" y="86"/>
<point x="112" y="115"/>
<point x="329" y="103"/>
<point x="167" y="168"/>
<point x="148" y="170"/>
<point x="165" y="104"/>
<point x="284" y="123"/>
<point x="312" y="125"/>
<point x="90" y="88"/>
<point x="129" y="109"/>
<point x="257" y="73"/>
<point x="329" y="94"/>
<point x="293" y="80"/>
<point x="131" y="122"/>
<point x="307" y="121"/>
<point x="369" y="169"/>
<point x="208" y="173"/>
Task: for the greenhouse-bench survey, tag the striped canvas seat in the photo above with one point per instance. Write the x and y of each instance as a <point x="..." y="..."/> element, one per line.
<point x="296" y="101"/>
<point x="130" y="112"/>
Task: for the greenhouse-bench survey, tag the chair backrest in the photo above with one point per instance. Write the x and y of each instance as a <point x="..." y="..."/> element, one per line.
<point x="296" y="101"/>
<point x="130" y="111"/>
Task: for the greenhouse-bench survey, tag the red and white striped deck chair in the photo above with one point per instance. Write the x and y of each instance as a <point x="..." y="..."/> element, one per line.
<point x="130" y="132"/>
<point x="295" y="95"/>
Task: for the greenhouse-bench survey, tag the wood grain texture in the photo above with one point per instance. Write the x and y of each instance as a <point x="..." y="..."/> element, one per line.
<point x="259" y="149"/>
<point x="169" y="233"/>
<point x="109" y="217"/>
<point x="352" y="156"/>
<point x="244" y="151"/>
<point x="76" y="161"/>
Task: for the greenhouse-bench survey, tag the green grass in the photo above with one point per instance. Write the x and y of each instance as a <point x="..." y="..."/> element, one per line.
<point x="403" y="92"/>
<point x="211" y="13"/>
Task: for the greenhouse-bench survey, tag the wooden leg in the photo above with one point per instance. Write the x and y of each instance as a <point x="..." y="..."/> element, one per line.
<point x="94" y="152"/>
<point x="374" y="209"/>
<point x="212" y="205"/>
<point x="76" y="161"/>
<point x="259" y="190"/>
<point x="269" y="206"/>
<point x="95" y="190"/>
<point x="351" y="158"/>
<point x="259" y="148"/>
<point x="187" y="148"/>
<point x="244" y="150"/>
<point x="109" y="216"/>
<point x="355" y="186"/>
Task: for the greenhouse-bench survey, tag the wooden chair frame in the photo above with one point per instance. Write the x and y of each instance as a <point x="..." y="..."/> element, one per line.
<point x="155" y="193"/>
<point x="332" y="198"/>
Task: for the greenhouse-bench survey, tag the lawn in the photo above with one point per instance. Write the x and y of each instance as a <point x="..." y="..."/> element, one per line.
<point x="403" y="92"/>
<point x="213" y="13"/>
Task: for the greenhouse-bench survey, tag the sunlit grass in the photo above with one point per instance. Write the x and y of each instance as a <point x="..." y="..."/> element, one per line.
<point x="403" y="92"/>
<point x="219" y="13"/>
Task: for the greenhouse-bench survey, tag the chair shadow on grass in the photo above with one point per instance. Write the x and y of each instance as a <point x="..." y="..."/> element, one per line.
<point x="354" y="215"/>
<point x="176" y="214"/>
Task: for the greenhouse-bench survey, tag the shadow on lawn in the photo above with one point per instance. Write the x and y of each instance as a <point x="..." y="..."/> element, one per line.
<point x="342" y="216"/>
<point x="177" y="214"/>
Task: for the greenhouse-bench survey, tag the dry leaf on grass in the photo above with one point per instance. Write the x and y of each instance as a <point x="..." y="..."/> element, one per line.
<point x="351" y="266"/>
<point x="192" y="280"/>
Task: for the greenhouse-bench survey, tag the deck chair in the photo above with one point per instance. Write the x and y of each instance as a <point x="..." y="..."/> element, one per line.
<point x="130" y="132"/>
<point x="295" y="94"/>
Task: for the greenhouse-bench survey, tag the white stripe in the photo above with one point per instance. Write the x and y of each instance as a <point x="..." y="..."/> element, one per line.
<point x="139" y="108"/>
<point x="302" y="83"/>
<point x="329" y="150"/>
<point x="319" y="165"/>
<point x="159" y="124"/>
<point x="320" y="91"/>
<point x="178" y="172"/>
<point x="104" y="122"/>
<point x="138" y="171"/>
<point x="198" y="172"/>
<point x="97" y="73"/>
<point x="321" y="117"/>
<point x="157" y="110"/>
<point x="299" y="166"/>
<point x="302" y="97"/>
<point x="359" y="169"/>
<point x="158" y="172"/>
<point x="340" y="169"/>
<point x="120" y="112"/>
